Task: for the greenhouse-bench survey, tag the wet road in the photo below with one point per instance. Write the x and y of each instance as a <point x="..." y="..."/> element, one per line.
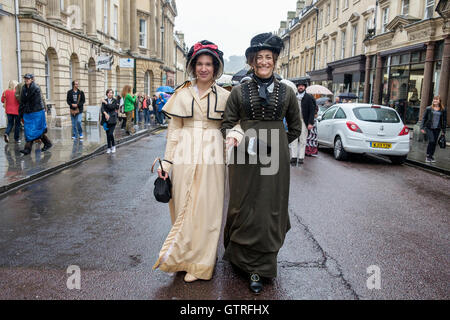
<point x="346" y="216"/>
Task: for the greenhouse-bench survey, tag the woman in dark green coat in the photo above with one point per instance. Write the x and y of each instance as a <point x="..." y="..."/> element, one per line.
<point x="259" y="170"/>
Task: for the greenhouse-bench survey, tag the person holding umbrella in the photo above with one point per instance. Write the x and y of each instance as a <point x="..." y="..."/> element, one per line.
<point x="258" y="215"/>
<point x="195" y="159"/>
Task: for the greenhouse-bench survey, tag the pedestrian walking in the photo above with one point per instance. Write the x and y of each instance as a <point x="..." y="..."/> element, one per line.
<point x="160" y="102"/>
<point x="12" y="111"/>
<point x="109" y="110"/>
<point x="258" y="217"/>
<point x="32" y="110"/>
<point x="147" y="107"/>
<point x="308" y="108"/>
<point x="140" y="108"/>
<point x="122" y="115"/>
<point x="434" y="121"/>
<point x="155" y="109"/>
<point x="196" y="208"/>
<point x="129" y="102"/>
<point x="76" y="99"/>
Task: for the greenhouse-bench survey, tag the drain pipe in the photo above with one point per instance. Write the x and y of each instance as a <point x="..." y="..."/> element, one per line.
<point x="19" y="50"/>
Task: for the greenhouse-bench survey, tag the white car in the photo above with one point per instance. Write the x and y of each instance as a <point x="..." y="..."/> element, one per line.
<point x="364" y="128"/>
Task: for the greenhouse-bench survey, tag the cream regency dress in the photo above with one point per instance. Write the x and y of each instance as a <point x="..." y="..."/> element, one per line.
<point x="195" y="147"/>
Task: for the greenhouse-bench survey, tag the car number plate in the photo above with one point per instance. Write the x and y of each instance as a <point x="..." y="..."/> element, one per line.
<point x="381" y="145"/>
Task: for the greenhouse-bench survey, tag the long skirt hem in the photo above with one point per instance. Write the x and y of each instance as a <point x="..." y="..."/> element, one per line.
<point x="251" y="261"/>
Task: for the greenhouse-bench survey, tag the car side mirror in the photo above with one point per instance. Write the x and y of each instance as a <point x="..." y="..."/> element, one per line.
<point x="319" y="118"/>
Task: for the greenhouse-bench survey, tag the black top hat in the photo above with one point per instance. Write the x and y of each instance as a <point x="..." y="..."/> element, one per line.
<point x="304" y="82"/>
<point x="205" y="46"/>
<point x="265" y="41"/>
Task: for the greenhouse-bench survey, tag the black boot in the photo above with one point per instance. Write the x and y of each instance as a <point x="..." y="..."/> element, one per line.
<point x="294" y="162"/>
<point x="47" y="143"/>
<point x="27" y="149"/>
<point x="255" y="283"/>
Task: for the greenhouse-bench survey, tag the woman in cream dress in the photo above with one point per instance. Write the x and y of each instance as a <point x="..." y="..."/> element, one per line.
<point x="194" y="158"/>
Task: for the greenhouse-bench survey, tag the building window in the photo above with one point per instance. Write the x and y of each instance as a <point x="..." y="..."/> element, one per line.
<point x="147" y="83"/>
<point x="345" y="4"/>
<point x="47" y="78"/>
<point x="308" y="31"/>
<point x="318" y="63"/>
<point x="71" y="71"/>
<point x="405" y="7"/>
<point x="304" y="32"/>
<point x="336" y="11"/>
<point x="320" y="18"/>
<point x="325" y="54"/>
<point x="105" y="15"/>
<point x="61" y="3"/>
<point x="327" y="20"/>
<point x="312" y="61"/>
<point x="343" y="44"/>
<point x="333" y="50"/>
<point x="367" y="26"/>
<point x="355" y="39"/>
<point x="116" y="22"/>
<point x="143" y="33"/>
<point x="429" y="9"/>
<point x="385" y="19"/>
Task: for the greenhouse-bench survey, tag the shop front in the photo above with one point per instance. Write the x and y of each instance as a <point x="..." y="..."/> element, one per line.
<point x="348" y="76"/>
<point x="403" y="80"/>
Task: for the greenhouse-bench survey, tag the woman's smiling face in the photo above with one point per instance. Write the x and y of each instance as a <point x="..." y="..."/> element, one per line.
<point x="204" y="68"/>
<point x="264" y="64"/>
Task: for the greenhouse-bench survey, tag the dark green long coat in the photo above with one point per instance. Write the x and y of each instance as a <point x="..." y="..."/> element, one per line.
<point x="258" y="217"/>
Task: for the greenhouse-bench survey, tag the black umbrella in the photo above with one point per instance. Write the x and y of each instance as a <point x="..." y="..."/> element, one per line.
<point x="240" y="75"/>
<point x="347" y="95"/>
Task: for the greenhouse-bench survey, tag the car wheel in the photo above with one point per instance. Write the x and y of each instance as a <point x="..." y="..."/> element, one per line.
<point x="339" y="152"/>
<point x="397" y="159"/>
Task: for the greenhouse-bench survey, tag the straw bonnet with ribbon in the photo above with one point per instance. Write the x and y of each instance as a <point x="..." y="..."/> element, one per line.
<point x="202" y="47"/>
<point x="265" y="41"/>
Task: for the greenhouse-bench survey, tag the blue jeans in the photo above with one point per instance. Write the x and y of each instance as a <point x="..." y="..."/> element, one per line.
<point x="159" y="117"/>
<point x="147" y="114"/>
<point x="76" y="125"/>
<point x="13" y="120"/>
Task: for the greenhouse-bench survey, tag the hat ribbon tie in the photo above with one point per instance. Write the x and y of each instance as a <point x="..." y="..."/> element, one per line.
<point x="198" y="46"/>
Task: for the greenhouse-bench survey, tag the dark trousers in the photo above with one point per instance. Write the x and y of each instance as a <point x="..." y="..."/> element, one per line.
<point x="159" y="117"/>
<point x="13" y="121"/>
<point x="433" y="136"/>
<point x="110" y="135"/>
<point x="124" y="122"/>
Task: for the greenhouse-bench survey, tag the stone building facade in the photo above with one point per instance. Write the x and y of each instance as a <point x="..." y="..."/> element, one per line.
<point x="390" y="52"/>
<point x="408" y="56"/>
<point x="8" y="60"/>
<point x="66" y="40"/>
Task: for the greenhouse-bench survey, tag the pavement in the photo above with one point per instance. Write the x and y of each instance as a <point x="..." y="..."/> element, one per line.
<point x="17" y="169"/>
<point x="419" y="150"/>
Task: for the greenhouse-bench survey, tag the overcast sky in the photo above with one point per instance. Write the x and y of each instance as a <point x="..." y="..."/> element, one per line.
<point x="230" y="23"/>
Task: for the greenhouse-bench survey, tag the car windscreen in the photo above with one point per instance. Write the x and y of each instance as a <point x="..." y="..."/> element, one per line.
<point x="381" y="115"/>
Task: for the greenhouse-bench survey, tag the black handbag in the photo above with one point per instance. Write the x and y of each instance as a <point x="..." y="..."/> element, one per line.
<point x="442" y="142"/>
<point x="163" y="188"/>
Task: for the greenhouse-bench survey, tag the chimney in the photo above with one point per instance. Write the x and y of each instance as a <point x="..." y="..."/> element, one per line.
<point x="290" y="16"/>
<point x="300" y="6"/>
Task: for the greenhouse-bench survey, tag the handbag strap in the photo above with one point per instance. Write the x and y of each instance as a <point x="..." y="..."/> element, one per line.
<point x="160" y="163"/>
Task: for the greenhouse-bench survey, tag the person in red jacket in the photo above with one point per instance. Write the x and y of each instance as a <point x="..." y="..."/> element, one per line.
<point x="12" y="111"/>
